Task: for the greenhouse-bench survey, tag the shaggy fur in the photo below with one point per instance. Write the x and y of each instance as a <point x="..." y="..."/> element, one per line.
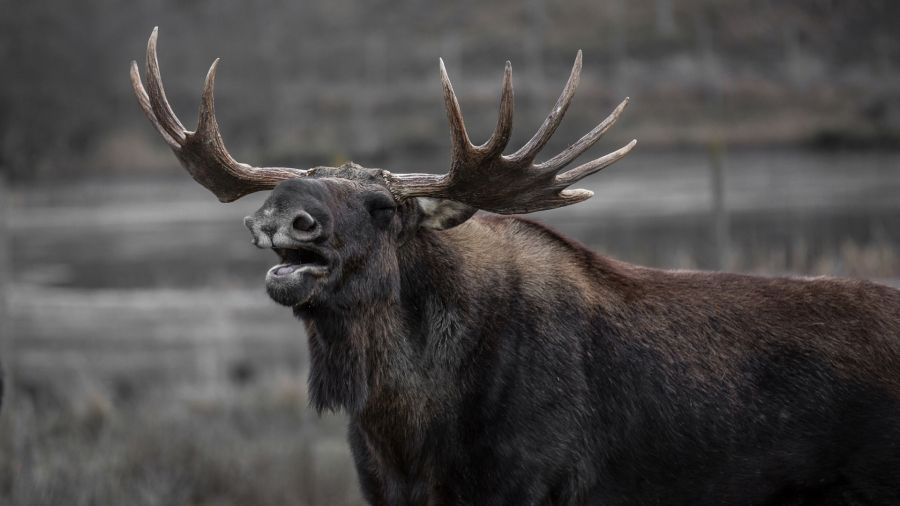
<point x="498" y="362"/>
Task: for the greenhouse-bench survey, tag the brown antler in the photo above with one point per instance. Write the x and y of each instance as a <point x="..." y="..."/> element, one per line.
<point x="202" y="152"/>
<point x="482" y="177"/>
<point x="479" y="176"/>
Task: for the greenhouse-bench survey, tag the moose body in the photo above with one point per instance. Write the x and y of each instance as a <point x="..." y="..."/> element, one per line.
<point x="485" y="359"/>
<point x="509" y="365"/>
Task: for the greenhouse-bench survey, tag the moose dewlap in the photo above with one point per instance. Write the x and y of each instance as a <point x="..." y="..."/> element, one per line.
<point x="486" y="359"/>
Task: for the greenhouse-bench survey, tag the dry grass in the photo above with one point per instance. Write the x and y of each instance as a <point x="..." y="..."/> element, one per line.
<point x="874" y="260"/>
<point x="254" y="445"/>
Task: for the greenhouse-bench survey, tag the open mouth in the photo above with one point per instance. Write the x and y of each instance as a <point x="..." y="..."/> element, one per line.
<point x="297" y="261"/>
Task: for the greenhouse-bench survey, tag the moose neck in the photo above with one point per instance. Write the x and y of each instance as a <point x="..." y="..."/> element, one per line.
<point x="340" y="353"/>
<point x="385" y="347"/>
<point x="403" y="349"/>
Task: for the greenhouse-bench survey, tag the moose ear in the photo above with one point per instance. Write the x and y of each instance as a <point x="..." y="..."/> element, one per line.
<point x="441" y="214"/>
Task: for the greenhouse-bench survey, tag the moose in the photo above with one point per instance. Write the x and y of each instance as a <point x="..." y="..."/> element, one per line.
<point x="483" y="358"/>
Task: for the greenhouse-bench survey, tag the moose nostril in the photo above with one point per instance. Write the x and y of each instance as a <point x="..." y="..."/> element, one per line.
<point x="304" y="222"/>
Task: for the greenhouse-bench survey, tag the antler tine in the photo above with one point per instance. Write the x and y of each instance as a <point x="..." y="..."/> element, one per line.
<point x="161" y="108"/>
<point x="575" y="150"/>
<point x="549" y="126"/>
<point x="208" y="128"/>
<point x="144" y="102"/>
<point x="202" y="153"/>
<point x="458" y="136"/>
<point x="584" y="170"/>
<point x="206" y="122"/>
<point x="209" y="137"/>
<point x="500" y="137"/>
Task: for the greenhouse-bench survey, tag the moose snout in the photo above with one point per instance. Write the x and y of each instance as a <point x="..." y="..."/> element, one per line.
<point x="282" y="230"/>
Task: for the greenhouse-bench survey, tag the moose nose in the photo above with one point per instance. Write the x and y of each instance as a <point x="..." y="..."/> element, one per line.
<point x="304" y="222"/>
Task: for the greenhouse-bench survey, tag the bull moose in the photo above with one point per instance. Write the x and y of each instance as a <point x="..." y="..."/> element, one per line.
<point x="486" y="359"/>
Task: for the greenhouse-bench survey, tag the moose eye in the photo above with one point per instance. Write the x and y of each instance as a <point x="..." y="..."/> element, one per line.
<point x="382" y="214"/>
<point x="381" y="208"/>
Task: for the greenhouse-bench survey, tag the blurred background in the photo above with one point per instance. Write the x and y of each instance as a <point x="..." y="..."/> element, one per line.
<point x="144" y="362"/>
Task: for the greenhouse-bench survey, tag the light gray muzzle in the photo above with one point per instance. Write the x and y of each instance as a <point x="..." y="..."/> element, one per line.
<point x="275" y="230"/>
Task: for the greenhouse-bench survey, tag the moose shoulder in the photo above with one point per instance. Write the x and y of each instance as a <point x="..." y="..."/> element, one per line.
<point x="486" y="359"/>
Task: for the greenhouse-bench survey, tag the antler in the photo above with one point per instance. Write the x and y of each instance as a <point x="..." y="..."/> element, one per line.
<point x="202" y="152"/>
<point x="482" y="177"/>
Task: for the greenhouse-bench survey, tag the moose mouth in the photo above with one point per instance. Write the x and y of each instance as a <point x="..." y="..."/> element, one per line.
<point x="298" y="277"/>
<point x="298" y="262"/>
